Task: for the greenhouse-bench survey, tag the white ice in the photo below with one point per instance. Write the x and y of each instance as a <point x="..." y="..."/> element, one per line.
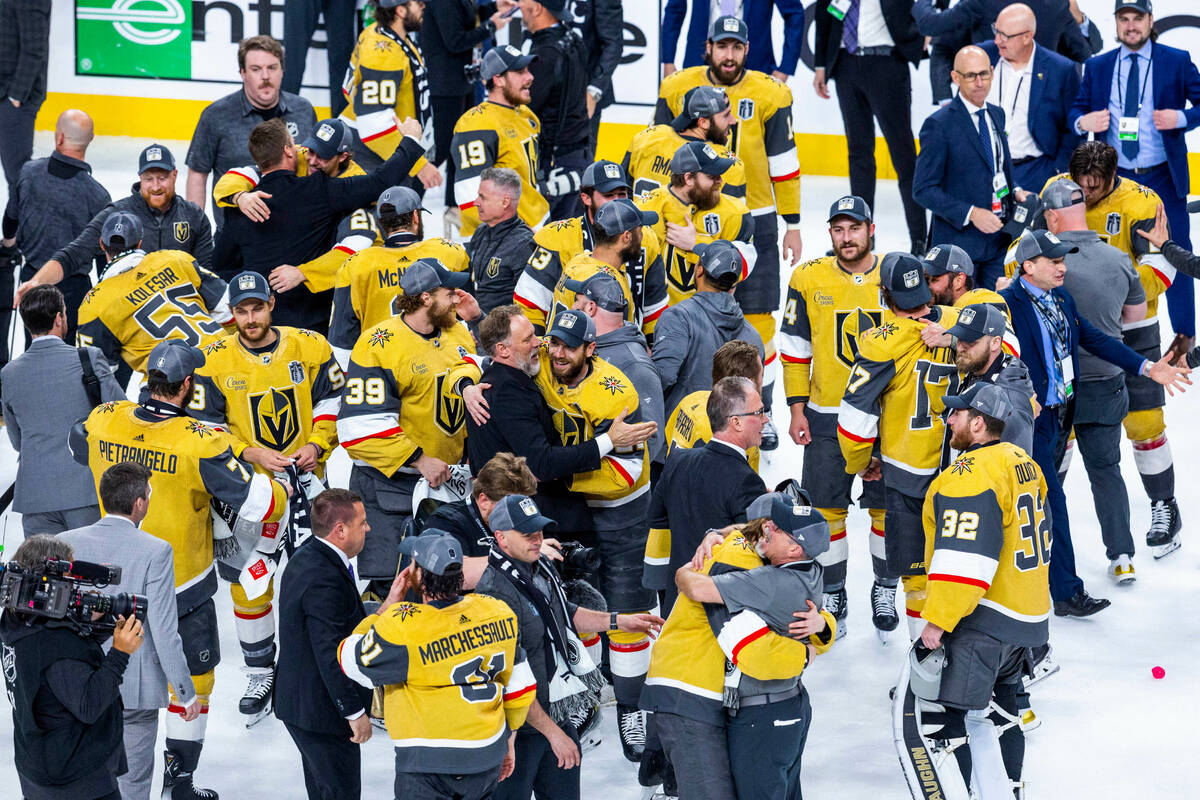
<point x="1109" y="730"/>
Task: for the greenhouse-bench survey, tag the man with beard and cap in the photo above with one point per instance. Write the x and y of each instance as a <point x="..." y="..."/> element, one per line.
<point x="499" y="132"/>
<point x="369" y="281"/>
<point x="707" y="116"/>
<point x="831" y="301"/>
<point x="950" y="273"/>
<point x="558" y="243"/>
<point x="400" y="419"/>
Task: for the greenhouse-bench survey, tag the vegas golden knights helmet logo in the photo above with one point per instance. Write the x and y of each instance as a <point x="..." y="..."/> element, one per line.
<point x="276" y="417"/>
<point x="451" y="413"/>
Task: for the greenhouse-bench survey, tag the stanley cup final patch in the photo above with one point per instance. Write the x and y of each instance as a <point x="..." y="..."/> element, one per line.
<point x="912" y="278"/>
<point x="712" y="224"/>
<point x="325" y="132"/>
<point x="745" y="108"/>
<point x="1112" y="224"/>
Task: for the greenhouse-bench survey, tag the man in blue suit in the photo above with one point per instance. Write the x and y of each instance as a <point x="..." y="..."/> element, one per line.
<point x="1135" y="97"/>
<point x="1035" y="87"/>
<point x="757" y="16"/>
<point x="1060" y="30"/>
<point x="1050" y="331"/>
<point x="964" y="170"/>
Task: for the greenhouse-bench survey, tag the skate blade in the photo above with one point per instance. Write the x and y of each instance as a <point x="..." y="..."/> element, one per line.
<point x="1041" y="675"/>
<point x="883" y="636"/>
<point x="1164" y="550"/>
<point x="589" y="743"/>
<point x="254" y="719"/>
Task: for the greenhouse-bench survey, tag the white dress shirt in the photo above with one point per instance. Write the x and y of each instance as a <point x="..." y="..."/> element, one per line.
<point x="997" y="147"/>
<point x="872" y="29"/>
<point x="1010" y="91"/>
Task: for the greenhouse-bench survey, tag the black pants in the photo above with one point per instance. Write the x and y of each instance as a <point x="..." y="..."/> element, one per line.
<point x="771" y="737"/>
<point x="537" y="773"/>
<point x="873" y="88"/>
<point x="299" y="22"/>
<point x="16" y="138"/>
<point x="332" y="769"/>
<point x="446" y="111"/>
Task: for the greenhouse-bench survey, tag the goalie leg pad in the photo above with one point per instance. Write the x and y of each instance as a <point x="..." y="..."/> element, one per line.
<point x="930" y="742"/>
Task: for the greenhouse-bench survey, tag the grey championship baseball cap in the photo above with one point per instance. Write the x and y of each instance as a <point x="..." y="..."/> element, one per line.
<point x="248" y="286"/>
<point x="729" y="28"/>
<point x="330" y="137"/>
<point x="402" y="200"/>
<point x="944" y="258"/>
<point x="720" y="260"/>
<point x="518" y="513"/>
<point x="602" y="289"/>
<point x="434" y="551"/>
<point x="1041" y="243"/>
<point x="573" y="327"/>
<point x="604" y="176"/>
<point x="804" y="524"/>
<point x="618" y="216"/>
<point x="1063" y="193"/>
<point x="699" y="157"/>
<point x="986" y="398"/>
<point x="122" y="224"/>
<point x="1144" y="6"/>
<point x="503" y="58"/>
<point x="903" y="276"/>
<point x="175" y="358"/>
<point x="1026" y="214"/>
<point x="978" y="320"/>
<point x="427" y="274"/>
<point x="155" y="157"/>
<point x="699" y="102"/>
<point x="850" y="206"/>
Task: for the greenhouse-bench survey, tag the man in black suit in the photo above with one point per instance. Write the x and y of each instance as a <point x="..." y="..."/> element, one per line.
<point x="866" y="47"/>
<point x="1058" y="28"/>
<point x="319" y="605"/>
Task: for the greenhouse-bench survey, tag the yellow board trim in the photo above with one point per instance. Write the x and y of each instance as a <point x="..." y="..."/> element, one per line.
<point x="169" y="118"/>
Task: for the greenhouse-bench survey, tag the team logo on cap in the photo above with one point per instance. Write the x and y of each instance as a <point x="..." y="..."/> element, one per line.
<point x="182" y="231"/>
<point x="912" y="278"/>
<point x="246" y="282"/>
<point x="1050" y="237"/>
<point x="967" y="316"/>
<point x="730" y="24"/>
<point x="567" y="322"/>
<point x="801" y="511"/>
<point x="612" y="171"/>
<point x="745" y="108"/>
<point x="845" y="204"/>
<point x="325" y="132"/>
<point x="1020" y="214"/>
<point x="293" y="130"/>
<point x="712" y="224"/>
<point x="154" y="154"/>
<point x="933" y="253"/>
<point x="529" y="507"/>
<point x="1112" y="223"/>
<point x="512" y="51"/>
<point x="708" y="151"/>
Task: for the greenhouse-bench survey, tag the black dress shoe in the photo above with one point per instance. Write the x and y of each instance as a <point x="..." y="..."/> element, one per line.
<point x="1081" y="604"/>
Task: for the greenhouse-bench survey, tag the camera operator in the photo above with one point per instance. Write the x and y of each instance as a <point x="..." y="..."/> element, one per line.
<point x="547" y="746"/>
<point x="65" y="694"/>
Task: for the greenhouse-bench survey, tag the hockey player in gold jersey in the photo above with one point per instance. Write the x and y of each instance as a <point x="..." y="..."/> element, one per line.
<point x="191" y="464"/>
<point x="455" y="683"/>
<point x="706" y="116"/>
<point x="893" y="397"/>
<point x="950" y="273"/>
<point x="370" y="280"/>
<point x="142" y="298"/>
<point x="830" y="302"/>
<point x="401" y="418"/>
<point x="275" y="390"/>
<point x="386" y="81"/>
<point x="499" y="132"/>
<point x="987" y="546"/>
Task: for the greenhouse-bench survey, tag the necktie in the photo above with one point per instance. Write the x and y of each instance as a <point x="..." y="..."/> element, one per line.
<point x="1130" y="148"/>
<point x="850" y="28"/>
<point x="985" y="136"/>
<point x="352" y="576"/>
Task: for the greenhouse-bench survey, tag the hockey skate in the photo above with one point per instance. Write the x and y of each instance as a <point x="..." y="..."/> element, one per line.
<point x="587" y="725"/>
<point x="770" y="436"/>
<point x="631" y="725"/>
<point x="835" y="603"/>
<point x="1043" y="666"/>
<point x="1163" y="536"/>
<point x="177" y="784"/>
<point x="1121" y="571"/>
<point x="258" y="699"/>
<point x="883" y="610"/>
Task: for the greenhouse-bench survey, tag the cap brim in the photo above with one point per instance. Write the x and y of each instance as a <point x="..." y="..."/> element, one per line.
<point x="456" y="280"/>
<point x="718" y="167"/>
<point x="241" y="297"/>
<point x="572" y="285"/>
<point x="955" y="401"/>
<point x="523" y="62"/>
<point x="566" y="337"/>
<point x="966" y="334"/>
<point x="1060" y="250"/>
<point x="723" y="35"/>
<point x="534" y="524"/>
<point x="649" y="217"/>
<point x="682" y="122"/>
<point x="1194" y="207"/>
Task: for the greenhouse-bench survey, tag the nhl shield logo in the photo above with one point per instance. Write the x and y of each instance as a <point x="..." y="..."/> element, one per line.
<point x="275" y="415"/>
<point x="493" y="267"/>
<point x="182" y="231"/>
<point x="712" y="224"/>
<point x="745" y="108"/>
<point x="293" y="130"/>
<point x="296" y="371"/>
<point x="1112" y="224"/>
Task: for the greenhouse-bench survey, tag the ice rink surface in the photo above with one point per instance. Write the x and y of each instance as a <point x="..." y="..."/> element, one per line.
<point x="1109" y="729"/>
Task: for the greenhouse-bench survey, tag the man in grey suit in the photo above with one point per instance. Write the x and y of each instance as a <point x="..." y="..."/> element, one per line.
<point x="43" y="395"/>
<point x="147" y="569"/>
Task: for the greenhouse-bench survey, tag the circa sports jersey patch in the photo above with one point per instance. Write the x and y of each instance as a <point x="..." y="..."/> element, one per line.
<point x="1112" y="224"/>
<point x="613" y="385"/>
<point x="962" y="464"/>
<point x="380" y="336"/>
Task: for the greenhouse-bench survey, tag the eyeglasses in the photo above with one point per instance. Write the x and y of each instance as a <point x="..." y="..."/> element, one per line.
<point x="975" y="77"/>
<point x="1004" y="37"/>
<point x="762" y="412"/>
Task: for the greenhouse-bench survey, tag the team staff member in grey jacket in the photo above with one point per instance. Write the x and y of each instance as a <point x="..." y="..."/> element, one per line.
<point x="502" y="244"/>
<point x="168" y="223"/>
<point x="689" y="333"/>
<point x="147" y="568"/>
<point x="43" y="395"/>
<point x="622" y="344"/>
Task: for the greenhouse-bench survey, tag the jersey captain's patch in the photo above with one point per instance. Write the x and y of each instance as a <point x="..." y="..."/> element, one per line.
<point x="1112" y="223"/>
<point x="962" y="464"/>
<point x="275" y="414"/>
<point x="612" y="384"/>
<point x="380" y="337"/>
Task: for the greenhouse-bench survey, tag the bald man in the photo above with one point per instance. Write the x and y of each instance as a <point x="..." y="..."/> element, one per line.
<point x="52" y="201"/>
<point x="1035" y="87"/>
<point x="964" y="170"/>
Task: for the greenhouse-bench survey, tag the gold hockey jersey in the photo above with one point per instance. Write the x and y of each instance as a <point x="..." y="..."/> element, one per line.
<point x="987" y="546"/>
<point x="729" y="220"/>
<point x="145" y="298"/>
<point x="385" y="81"/>
<point x="496" y="135"/>
<point x="648" y="162"/>
<point x="280" y="400"/>
<point x="762" y="137"/>
<point x="370" y="280"/>
<point x="190" y="463"/>
<point x="455" y="681"/>
<point x="688" y="426"/>
<point x="399" y="399"/>
<point x="819" y="335"/>
<point x="894" y="394"/>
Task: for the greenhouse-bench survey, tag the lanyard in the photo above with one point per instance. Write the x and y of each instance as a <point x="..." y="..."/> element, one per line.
<point x="1145" y="79"/>
<point x="1016" y="94"/>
